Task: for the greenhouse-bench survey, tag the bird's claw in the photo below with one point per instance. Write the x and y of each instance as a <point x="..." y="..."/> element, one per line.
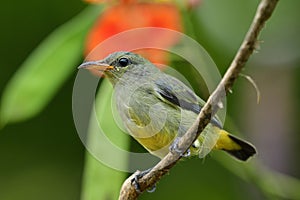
<point x="175" y="150"/>
<point x="135" y="181"/>
<point x="152" y="189"/>
<point x="136" y="184"/>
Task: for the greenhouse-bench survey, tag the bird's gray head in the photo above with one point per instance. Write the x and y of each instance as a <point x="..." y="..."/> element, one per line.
<point x="117" y="64"/>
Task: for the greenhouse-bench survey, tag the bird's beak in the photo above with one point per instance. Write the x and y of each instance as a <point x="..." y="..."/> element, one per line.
<point x="96" y="65"/>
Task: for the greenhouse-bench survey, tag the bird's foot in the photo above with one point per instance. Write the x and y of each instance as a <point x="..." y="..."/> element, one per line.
<point x="175" y="150"/>
<point x="135" y="181"/>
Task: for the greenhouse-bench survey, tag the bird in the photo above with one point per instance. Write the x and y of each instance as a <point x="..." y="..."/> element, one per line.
<point x="157" y="109"/>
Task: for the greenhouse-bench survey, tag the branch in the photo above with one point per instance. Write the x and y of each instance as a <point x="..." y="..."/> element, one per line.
<point x="263" y="13"/>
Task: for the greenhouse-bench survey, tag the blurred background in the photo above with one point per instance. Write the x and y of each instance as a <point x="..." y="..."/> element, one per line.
<point x="42" y="43"/>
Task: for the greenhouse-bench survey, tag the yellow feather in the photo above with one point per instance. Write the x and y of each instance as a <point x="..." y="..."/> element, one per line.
<point x="225" y="142"/>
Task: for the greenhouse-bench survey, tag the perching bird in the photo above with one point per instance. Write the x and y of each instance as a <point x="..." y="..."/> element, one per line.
<point x="156" y="108"/>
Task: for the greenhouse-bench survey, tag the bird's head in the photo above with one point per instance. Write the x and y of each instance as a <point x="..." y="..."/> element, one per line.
<point x="117" y="64"/>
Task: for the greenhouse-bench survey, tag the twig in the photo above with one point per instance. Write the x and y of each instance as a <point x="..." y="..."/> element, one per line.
<point x="263" y="13"/>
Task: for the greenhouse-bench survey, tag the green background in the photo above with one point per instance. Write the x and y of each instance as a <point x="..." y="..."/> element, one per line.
<point x="43" y="157"/>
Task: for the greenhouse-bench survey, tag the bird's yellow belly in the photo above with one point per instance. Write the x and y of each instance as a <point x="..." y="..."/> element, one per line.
<point x="156" y="142"/>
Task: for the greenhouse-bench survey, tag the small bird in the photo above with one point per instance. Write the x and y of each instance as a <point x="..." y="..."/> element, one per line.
<point x="157" y="108"/>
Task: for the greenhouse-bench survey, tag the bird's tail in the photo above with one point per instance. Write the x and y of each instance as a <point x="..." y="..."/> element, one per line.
<point x="236" y="147"/>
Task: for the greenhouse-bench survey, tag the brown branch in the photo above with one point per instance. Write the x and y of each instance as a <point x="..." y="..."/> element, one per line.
<point x="263" y="13"/>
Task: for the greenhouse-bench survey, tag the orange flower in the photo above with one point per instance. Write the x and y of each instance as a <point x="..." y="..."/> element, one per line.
<point x="124" y="17"/>
<point x="122" y="1"/>
<point x="187" y="3"/>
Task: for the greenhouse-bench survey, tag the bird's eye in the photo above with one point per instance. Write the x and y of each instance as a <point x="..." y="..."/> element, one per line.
<point x="123" y="62"/>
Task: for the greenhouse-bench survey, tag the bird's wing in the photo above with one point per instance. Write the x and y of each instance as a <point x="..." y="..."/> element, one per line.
<point x="173" y="91"/>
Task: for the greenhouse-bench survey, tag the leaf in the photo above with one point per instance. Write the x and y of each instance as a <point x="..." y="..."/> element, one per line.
<point x="46" y="69"/>
<point x="101" y="181"/>
<point x="271" y="183"/>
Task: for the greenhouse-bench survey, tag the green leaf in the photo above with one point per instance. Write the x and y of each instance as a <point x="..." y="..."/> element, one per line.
<point x="271" y="183"/>
<point x="46" y="69"/>
<point x="101" y="181"/>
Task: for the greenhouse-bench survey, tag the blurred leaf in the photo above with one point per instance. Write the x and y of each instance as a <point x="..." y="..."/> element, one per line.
<point x="101" y="180"/>
<point x="271" y="183"/>
<point x="46" y="69"/>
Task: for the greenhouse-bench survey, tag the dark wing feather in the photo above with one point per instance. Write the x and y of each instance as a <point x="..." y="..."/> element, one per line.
<point x="173" y="91"/>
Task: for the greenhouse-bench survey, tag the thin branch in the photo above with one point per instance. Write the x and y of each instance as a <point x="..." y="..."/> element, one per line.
<point x="263" y="13"/>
